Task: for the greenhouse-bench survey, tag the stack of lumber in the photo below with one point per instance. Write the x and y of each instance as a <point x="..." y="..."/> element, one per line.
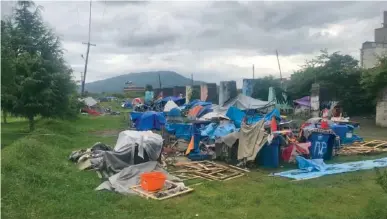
<point x="368" y="147"/>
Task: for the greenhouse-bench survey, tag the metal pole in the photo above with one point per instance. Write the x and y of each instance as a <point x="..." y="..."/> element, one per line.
<point x="87" y="54"/>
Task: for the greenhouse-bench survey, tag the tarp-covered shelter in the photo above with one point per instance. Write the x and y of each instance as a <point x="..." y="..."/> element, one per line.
<point x="170" y="105"/>
<point x="90" y="102"/>
<point x="244" y="102"/>
<point x="148" y="120"/>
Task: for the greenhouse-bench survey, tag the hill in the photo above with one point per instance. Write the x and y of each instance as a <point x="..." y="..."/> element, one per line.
<point x="116" y="84"/>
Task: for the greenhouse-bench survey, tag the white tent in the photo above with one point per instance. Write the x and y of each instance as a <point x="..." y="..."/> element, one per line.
<point x="89" y="101"/>
<point x="170" y="105"/>
<point x="245" y="102"/>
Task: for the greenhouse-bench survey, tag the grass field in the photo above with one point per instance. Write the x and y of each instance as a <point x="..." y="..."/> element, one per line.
<point x="39" y="182"/>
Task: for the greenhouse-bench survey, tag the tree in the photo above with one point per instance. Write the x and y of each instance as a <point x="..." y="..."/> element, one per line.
<point x="339" y="74"/>
<point x="7" y="69"/>
<point x="42" y="81"/>
<point x="375" y="80"/>
<point x="261" y="87"/>
<point x="148" y="87"/>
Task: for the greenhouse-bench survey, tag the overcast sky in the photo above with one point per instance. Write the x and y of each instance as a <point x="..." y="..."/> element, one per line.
<point x="213" y="40"/>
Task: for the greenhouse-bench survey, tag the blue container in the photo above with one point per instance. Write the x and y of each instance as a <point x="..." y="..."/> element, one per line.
<point x="269" y="154"/>
<point x="321" y="146"/>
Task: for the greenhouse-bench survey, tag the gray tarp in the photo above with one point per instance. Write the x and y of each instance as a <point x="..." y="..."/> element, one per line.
<point x="243" y="102"/>
<point x="130" y="176"/>
<point x="251" y="140"/>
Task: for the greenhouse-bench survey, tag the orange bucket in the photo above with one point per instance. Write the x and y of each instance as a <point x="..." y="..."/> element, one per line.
<point x="152" y="181"/>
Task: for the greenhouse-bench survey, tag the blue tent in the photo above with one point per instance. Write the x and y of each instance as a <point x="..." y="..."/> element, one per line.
<point x="180" y="130"/>
<point x="237" y="116"/>
<point x="149" y="120"/>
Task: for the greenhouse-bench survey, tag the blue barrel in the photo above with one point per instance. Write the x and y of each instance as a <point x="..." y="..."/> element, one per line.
<point x="269" y="154"/>
<point x="321" y="145"/>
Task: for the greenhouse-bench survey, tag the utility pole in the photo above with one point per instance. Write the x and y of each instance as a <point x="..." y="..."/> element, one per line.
<point x="160" y="81"/>
<point x="253" y="72"/>
<point x="87" y="53"/>
<point x="192" y="81"/>
<point x="279" y="67"/>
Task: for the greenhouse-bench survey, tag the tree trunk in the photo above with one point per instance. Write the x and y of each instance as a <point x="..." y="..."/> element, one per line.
<point x="31" y="122"/>
<point x="5" y="117"/>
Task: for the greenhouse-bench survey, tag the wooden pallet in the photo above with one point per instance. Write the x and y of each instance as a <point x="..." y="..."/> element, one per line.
<point x="370" y="147"/>
<point x="210" y="170"/>
<point x="153" y="195"/>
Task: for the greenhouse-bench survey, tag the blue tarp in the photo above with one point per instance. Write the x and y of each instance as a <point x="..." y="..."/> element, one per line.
<point x="345" y="132"/>
<point x="214" y="130"/>
<point x="180" y="130"/>
<point x="150" y="120"/>
<point x="194" y="103"/>
<point x="237" y="116"/>
<point x="334" y="169"/>
<point x="174" y="112"/>
<point x="310" y="165"/>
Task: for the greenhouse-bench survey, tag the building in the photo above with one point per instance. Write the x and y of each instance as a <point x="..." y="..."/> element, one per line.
<point x="370" y="51"/>
<point x="133" y="88"/>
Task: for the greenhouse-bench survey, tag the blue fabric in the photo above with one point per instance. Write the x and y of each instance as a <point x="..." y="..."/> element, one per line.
<point x="135" y="115"/>
<point x="150" y="120"/>
<point x="214" y="130"/>
<point x="321" y="146"/>
<point x="235" y="115"/>
<point x="174" y="112"/>
<point x="209" y="130"/>
<point x="310" y="165"/>
<point x="180" y="130"/>
<point x="275" y="113"/>
<point x="194" y="103"/>
<point x="334" y="169"/>
<point x="224" y="129"/>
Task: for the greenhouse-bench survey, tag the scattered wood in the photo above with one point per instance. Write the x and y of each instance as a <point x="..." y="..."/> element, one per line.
<point x="369" y="147"/>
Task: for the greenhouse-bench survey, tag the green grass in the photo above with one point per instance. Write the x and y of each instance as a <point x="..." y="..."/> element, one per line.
<point x="39" y="182"/>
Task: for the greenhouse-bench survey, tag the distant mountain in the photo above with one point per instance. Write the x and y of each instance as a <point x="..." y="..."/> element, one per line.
<point x="117" y="84"/>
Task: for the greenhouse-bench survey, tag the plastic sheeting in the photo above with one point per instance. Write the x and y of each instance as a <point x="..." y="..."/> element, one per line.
<point x="169" y="106"/>
<point x="130" y="176"/>
<point x="244" y="102"/>
<point x="150" y="120"/>
<point x="180" y="130"/>
<point x="214" y="130"/>
<point x="299" y="174"/>
<point x="149" y="141"/>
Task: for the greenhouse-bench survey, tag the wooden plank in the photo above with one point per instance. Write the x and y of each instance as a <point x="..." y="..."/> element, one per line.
<point x="237" y="176"/>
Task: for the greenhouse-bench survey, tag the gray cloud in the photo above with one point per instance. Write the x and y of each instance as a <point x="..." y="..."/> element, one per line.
<point x="222" y="39"/>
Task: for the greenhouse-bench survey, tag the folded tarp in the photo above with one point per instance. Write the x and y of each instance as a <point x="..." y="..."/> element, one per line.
<point x="334" y="169"/>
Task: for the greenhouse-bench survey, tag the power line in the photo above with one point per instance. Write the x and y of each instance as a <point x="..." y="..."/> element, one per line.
<point x="87" y="54"/>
